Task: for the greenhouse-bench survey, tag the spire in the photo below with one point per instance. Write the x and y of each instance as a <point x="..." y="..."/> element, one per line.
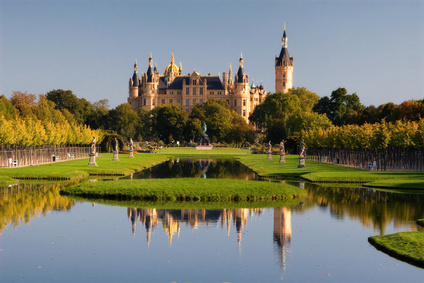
<point x="181" y="69"/>
<point x="230" y="71"/>
<point x="241" y="60"/>
<point x="150" y="60"/>
<point x="284" y="39"/>
<point x="240" y="72"/>
<point x="135" y="75"/>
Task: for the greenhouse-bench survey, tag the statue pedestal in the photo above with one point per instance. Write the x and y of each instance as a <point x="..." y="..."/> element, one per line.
<point x="204" y="147"/>
<point x="131" y="154"/>
<point x="92" y="161"/>
<point x="301" y="162"/>
<point x="115" y="156"/>
<point x="282" y="158"/>
<point x="269" y="156"/>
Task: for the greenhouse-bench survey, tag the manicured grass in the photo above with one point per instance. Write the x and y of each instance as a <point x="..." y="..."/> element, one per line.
<point x="186" y="189"/>
<point x="79" y="168"/>
<point x="328" y="173"/>
<point x="405" y="246"/>
<point x="6" y="180"/>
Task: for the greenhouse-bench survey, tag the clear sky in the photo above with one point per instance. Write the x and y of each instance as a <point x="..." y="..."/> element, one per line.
<point x="374" y="48"/>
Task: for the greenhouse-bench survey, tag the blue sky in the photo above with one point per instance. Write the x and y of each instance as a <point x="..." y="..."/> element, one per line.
<point x="374" y="48"/>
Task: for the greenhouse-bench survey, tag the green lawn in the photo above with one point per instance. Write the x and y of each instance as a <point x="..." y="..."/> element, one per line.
<point x="186" y="189"/>
<point x="314" y="171"/>
<point x="329" y="173"/>
<point x="73" y="169"/>
<point x="405" y="246"/>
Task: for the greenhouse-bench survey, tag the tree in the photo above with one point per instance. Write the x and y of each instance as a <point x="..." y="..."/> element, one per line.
<point x="169" y="122"/>
<point x="341" y="107"/>
<point x="98" y="118"/>
<point x="7" y="109"/>
<point x="124" y="120"/>
<point x="65" y="99"/>
<point x="216" y="115"/>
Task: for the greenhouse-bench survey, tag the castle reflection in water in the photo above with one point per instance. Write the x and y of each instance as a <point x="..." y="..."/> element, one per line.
<point x="171" y="219"/>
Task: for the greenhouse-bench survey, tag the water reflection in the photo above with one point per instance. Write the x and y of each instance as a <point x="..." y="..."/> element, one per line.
<point x="198" y="168"/>
<point x="21" y="202"/>
<point x="376" y="209"/>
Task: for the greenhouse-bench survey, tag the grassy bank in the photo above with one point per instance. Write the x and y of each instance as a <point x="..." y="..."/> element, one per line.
<point x="405" y="246"/>
<point x="329" y="173"/>
<point x="186" y="189"/>
<point x="314" y="171"/>
<point x="74" y="169"/>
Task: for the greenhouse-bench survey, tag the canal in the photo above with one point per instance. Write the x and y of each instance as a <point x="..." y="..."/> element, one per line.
<point x="46" y="237"/>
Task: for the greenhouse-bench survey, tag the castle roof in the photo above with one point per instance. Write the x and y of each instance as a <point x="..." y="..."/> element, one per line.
<point x="284" y="58"/>
<point x="213" y="82"/>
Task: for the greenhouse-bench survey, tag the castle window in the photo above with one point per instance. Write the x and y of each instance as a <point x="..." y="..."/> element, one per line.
<point x="144" y="102"/>
<point x="235" y="102"/>
<point x="194" y="101"/>
<point x="194" y="91"/>
<point x="244" y="103"/>
<point x="171" y="101"/>
<point x="284" y="77"/>
<point x="201" y="91"/>
<point x="201" y="101"/>
<point x="163" y="101"/>
<point x="187" y="91"/>
<point x="194" y="82"/>
<point x="179" y="101"/>
<point x="244" y="112"/>
<point x="187" y="102"/>
<point x="153" y="102"/>
<point x="284" y="83"/>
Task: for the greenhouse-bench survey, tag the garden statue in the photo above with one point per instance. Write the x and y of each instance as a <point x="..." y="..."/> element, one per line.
<point x="131" y="149"/>
<point x="302" y="149"/>
<point x="131" y="145"/>
<point x="204" y="142"/>
<point x="93" y="146"/>
<point x="269" y="151"/>
<point x="115" y="149"/>
<point x="92" y="154"/>
<point x="282" y="152"/>
<point x="302" y="154"/>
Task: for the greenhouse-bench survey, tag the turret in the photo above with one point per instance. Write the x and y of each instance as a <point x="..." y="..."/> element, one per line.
<point x="283" y="68"/>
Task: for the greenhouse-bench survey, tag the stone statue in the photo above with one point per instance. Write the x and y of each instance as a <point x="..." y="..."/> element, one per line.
<point x="282" y="150"/>
<point x="131" y="145"/>
<point x="204" y="128"/>
<point x="302" y="149"/>
<point x="115" y="144"/>
<point x="269" y="146"/>
<point x="93" y="146"/>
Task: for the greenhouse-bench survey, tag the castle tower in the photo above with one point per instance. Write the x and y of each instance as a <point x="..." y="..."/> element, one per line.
<point x="241" y="99"/>
<point x="134" y="82"/>
<point x="283" y="68"/>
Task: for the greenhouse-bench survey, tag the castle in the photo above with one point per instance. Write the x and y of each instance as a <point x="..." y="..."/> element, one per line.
<point x="153" y="89"/>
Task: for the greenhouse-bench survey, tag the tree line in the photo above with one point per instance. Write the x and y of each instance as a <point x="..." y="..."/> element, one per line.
<point x="60" y="117"/>
<point x="30" y="121"/>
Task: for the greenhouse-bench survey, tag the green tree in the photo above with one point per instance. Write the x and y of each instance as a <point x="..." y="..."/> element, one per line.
<point x="65" y="99"/>
<point x="124" y="120"/>
<point x="169" y="122"/>
<point x="98" y="118"/>
<point x="216" y="115"/>
<point x="7" y="109"/>
<point x="341" y="107"/>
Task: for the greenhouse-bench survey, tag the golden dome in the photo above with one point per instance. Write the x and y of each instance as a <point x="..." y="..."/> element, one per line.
<point x="172" y="68"/>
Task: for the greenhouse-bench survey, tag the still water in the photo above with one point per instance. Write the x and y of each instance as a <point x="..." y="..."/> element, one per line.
<point x="45" y="237"/>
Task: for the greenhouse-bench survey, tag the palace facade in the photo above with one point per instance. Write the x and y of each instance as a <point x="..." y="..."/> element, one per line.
<point x="152" y="88"/>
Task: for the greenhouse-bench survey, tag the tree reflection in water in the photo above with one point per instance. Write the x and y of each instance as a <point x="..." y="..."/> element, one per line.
<point x="21" y="202"/>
